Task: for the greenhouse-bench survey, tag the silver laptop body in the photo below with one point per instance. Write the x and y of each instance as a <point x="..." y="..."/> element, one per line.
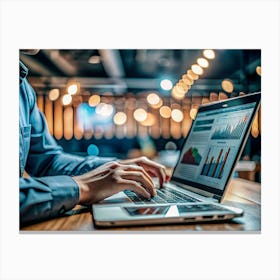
<point x="200" y="178"/>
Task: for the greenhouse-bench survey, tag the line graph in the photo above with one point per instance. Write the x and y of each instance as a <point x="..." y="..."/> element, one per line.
<point x="230" y="129"/>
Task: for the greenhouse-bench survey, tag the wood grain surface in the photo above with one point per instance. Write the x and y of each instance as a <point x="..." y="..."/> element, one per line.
<point x="241" y="193"/>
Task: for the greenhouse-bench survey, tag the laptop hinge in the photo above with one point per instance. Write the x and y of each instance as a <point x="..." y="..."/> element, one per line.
<point x="198" y="192"/>
<point x="217" y="197"/>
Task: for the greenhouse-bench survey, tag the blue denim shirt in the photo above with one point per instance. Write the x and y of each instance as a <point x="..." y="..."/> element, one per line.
<point x="50" y="190"/>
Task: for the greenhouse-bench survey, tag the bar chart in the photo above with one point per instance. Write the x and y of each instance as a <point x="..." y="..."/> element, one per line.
<point x="233" y="129"/>
<point x="215" y="162"/>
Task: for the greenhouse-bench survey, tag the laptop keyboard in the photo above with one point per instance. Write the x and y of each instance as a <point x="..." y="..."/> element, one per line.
<point x="165" y="195"/>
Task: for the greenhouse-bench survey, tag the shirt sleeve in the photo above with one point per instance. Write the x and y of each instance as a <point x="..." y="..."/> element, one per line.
<point x="46" y="197"/>
<point x="50" y="190"/>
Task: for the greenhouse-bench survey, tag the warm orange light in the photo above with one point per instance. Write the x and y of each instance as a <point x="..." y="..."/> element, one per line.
<point x="205" y="100"/>
<point x="49" y="114"/>
<point x="213" y="96"/>
<point x="259" y="70"/>
<point x="182" y="85"/>
<point x="158" y="105"/>
<point x="68" y="123"/>
<point x="95" y="59"/>
<point x="58" y="123"/>
<point x="188" y="80"/>
<point x="210" y="54"/>
<point x="149" y="121"/>
<point x="193" y="75"/>
<point x="165" y="112"/>
<point x="255" y="131"/>
<point x="193" y="113"/>
<point x="197" y="69"/>
<point x="255" y="126"/>
<point x="227" y="85"/>
<point x="54" y="94"/>
<point x="120" y="118"/>
<point x="140" y="114"/>
<point x="178" y="93"/>
<point x="94" y="100"/>
<point x="222" y="96"/>
<point x="203" y="62"/>
<point x="153" y="99"/>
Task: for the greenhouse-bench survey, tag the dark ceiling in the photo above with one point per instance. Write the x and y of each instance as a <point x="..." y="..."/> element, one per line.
<point x="137" y="70"/>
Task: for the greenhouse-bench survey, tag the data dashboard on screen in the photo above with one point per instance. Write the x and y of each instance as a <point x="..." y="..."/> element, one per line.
<point x="212" y="145"/>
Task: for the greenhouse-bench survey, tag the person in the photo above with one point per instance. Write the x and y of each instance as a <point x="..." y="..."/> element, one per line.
<point x="58" y="181"/>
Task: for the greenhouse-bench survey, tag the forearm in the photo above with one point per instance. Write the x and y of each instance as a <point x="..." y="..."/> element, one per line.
<point x="60" y="163"/>
<point x="73" y="165"/>
<point x="46" y="197"/>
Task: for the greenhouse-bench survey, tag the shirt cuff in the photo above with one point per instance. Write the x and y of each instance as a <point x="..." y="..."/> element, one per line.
<point x="65" y="192"/>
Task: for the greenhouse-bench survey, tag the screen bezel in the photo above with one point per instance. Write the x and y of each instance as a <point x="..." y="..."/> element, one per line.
<point x="235" y="101"/>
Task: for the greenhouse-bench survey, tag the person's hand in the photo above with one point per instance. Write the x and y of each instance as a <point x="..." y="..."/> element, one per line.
<point x="151" y="167"/>
<point x="113" y="177"/>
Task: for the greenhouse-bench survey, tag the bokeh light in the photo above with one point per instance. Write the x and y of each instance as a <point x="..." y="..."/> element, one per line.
<point x="54" y="94"/>
<point x="95" y="59"/>
<point x="259" y="70"/>
<point x="150" y="120"/>
<point x="94" y="100"/>
<point x="140" y="114"/>
<point x="93" y="150"/>
<point x="214" y="96"/>
<point x="197" y="69"/>
<point x="188" y="80"/>
<point x="193" y="113"/>
<point x="165" y="112"/>
<point x="170" y="145"/>
<point x="193" y="75"/>
<point x="203" y="62"/>
<point x="177" y="115"/>
<point x="120" y="118"/>
<point x="166" y="84"/>
<point x="153" y="99"/>
<point x="222" y="96"/>
<point x="104" y="109"/>
<point x="158" y="105"/>
<point x="227" y="85"/>
<point x="66" y="99"/>
<point x="73" y="88"/>
<point x="210" y="54"/>
<point x="178" y="93"/>
<point x="205" y="100"/>
<point x="183" y="85"/>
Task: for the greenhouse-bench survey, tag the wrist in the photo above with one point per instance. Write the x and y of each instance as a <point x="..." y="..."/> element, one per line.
<point x="83" y="190"/>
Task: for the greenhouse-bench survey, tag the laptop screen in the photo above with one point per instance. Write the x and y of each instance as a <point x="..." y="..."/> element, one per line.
<point x="215" y="142"/>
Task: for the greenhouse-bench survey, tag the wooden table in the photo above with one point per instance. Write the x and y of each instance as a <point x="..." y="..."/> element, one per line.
<point x="241" y="193"/>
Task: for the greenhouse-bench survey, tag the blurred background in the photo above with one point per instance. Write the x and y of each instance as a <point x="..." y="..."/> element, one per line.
<point x="133" y="102"/>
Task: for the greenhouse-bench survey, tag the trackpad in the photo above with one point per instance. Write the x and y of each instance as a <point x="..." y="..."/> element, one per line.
<point x="144" y="211"/>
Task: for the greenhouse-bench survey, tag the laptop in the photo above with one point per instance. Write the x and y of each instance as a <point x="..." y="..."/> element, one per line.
<point x="200" y="178"/>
